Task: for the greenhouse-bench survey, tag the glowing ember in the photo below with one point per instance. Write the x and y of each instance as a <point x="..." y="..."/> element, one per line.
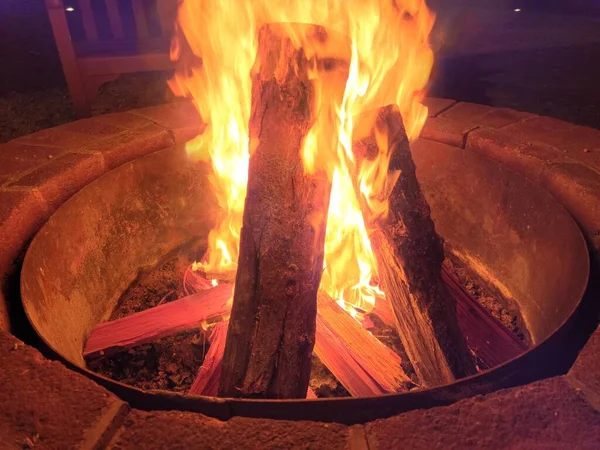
<point x="390" y="64"/>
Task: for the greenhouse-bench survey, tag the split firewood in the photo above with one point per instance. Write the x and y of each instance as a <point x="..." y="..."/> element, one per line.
<point x="409" y="256"/>
<point x="152" y="324"/>
<point x="488" y="338"/>
<point x="359" y="361"/>
<point x="209" y="373"/>
<point x="310" y="394"/>
<point x="272" y="327"/>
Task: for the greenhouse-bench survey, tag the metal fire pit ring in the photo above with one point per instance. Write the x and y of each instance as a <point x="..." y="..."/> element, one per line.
<point x="511" y="232"/>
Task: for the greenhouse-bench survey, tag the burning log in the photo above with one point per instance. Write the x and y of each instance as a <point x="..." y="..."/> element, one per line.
<point x="409" y="256"/>
<point x="207" y="379"/>
<point x="272" y="327"/>
<point x="158" y="322"/>
<point x="360" y="362"/>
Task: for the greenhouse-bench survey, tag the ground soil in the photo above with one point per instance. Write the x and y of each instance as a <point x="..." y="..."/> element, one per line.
<point x="171" y="363"/>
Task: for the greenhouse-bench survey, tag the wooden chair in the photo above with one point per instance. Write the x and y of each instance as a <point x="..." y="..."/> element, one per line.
<point x="98" y="40"/>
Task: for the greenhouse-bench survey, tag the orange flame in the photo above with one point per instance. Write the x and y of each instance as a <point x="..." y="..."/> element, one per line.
<point x="390" y="63"/>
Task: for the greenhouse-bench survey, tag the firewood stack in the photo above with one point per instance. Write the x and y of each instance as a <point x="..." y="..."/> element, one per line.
<point x="278" y="312"/>
<point x="272" y="328"/>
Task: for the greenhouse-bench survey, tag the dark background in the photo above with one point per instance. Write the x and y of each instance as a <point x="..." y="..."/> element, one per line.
<point x="544" y="59"/>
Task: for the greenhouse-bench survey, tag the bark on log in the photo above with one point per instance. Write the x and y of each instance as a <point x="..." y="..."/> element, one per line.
<point x="158" y="322"/>
<point x="272" y="327"/>
<point x="360" y="362"/>
<point x="409" y="256"/>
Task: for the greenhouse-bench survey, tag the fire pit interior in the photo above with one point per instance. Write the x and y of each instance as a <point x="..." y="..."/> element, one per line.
<point x="507" y="234"/>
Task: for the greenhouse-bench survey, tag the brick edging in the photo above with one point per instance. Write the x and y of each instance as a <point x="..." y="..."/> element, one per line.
<point x="562" y="157"/>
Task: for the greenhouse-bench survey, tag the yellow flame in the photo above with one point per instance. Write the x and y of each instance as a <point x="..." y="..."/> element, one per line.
<point x="390" y="63"/>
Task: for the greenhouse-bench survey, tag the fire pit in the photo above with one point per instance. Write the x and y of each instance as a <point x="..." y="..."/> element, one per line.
<point x="304" y="185"/>
<point x="513" y="235"/>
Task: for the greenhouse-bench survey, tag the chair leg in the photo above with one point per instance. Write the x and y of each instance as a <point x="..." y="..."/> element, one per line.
<point x="81" y="105"/>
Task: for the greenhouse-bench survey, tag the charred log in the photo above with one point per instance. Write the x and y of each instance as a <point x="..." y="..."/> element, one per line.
<point x="161" y="321"/>
<point x="272" y="327"/>
<point x="409" y="256"/>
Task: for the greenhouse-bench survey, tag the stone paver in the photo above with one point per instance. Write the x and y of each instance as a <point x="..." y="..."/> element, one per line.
<point x="437" y="105"/>
<point x="453" y="124"/>
<point x="511" y="151"/>
<point x="447" y="131"/>
<point x="586" y="370"/>
<point x="545" y="414"/>
<point x="131" y="144"/>
<point x="44" y="405"/>
<point x="61" y="178"/>
<point x="464" y="112"/>
<point x="72" y="135"/>
<point x="577" y="187"/>
<point x="126" y="120"/>
<point x="174" y="429"/>
<point x="22" y="212"/>
<point x="581" y="143"/>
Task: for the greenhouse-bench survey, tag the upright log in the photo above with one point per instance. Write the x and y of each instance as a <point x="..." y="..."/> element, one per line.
<point x="409" y="256"/>
<point x="272" y="327"/>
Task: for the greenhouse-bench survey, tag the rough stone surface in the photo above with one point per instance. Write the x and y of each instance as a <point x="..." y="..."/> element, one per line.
<point x="437" y="105"/>
<point x="524" y="157"/>
<point x="466" y="113"/>
<point x="38" y="153"/>
<point x="501" y="117"/>
<point x="447" y="131"/>
<point x="581" y="143"/>
<point x="131" y="144"/>
<point x="16" y="158"/>
<point x="182" y="135"/>
<point x="45" y="404"/>
<point x="586" y="370"/>
<point x="539" y="129"/>
<point x="61" y="178"/>
<point x="453" y="124"/>
<point x="126" y="120"/>
<point x="546" y="414"/>
<point x="13" y="165"/>
<point x="182" y="430"/>
<point x="22" y="212"/>
<point x="72" y="135"/>
<point x="574" y="185"/>
<point x="577" y="188"/>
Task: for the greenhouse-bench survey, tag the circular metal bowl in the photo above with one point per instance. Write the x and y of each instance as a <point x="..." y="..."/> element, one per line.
<point x="513" y="234"/>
